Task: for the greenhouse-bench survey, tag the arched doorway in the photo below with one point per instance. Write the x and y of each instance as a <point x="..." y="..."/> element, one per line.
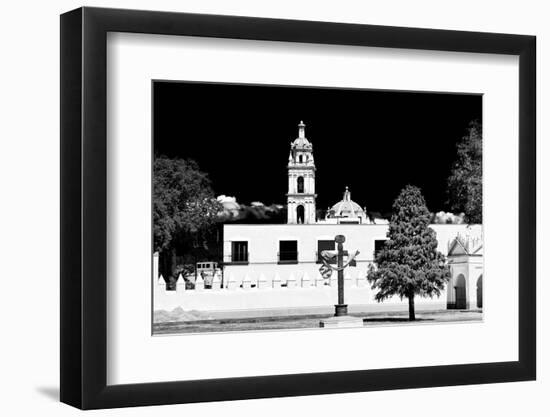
<point x="480" y="292"/>
<point x="460" y="292"/>
<point x="300" y="214"/>
<point x="300" y="184"/>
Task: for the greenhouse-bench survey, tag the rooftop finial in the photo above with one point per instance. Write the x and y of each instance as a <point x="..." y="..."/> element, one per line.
<point x="301" y="130"/>
<point x="347" y="196"/>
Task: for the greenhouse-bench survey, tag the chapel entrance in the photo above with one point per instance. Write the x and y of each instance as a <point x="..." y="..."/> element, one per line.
<point x="460" y="293"/>
<point x="480" y="292"/>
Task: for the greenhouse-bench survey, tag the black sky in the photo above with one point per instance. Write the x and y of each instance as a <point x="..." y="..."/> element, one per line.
<point x="375" y="142"/>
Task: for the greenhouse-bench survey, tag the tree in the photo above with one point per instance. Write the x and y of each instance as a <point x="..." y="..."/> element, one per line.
<point x="409" y="264"/>
<point x="184" y="208"/>
<point x="465" y="182"/>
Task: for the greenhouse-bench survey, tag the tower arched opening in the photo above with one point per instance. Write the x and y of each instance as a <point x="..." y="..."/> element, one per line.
<point x="300" y="214"/>
<point x="300" y="184"/>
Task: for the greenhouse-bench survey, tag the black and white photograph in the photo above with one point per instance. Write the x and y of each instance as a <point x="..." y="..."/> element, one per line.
<point x="296" y="207"/>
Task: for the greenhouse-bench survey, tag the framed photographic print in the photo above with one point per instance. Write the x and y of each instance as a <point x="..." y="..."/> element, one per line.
<point x="257" y="208"/>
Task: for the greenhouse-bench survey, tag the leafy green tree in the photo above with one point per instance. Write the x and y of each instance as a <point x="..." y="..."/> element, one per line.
<point x="465" y="188"/>
<point x="409" y="264"/>
<point x="185" y="209"/>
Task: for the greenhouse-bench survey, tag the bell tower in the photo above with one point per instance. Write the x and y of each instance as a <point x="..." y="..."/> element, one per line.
<point x="301" y="180"/>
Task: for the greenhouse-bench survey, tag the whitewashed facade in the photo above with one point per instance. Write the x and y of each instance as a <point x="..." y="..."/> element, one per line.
<point x="262" y="264"/>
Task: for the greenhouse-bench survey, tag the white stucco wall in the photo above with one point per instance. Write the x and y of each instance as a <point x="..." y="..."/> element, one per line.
<point x="263" y="246"/>
<point x="264" y="287"/>
<point x="262" y="302"/>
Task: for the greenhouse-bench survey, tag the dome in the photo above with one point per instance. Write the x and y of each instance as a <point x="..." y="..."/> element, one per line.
<point x="347" y="207"/>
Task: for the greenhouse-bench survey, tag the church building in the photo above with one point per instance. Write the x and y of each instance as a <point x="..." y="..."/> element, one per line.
<point x="279" y="256"/>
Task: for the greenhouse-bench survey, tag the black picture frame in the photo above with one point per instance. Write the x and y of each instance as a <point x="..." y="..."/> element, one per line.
<point x="84" y="207"/>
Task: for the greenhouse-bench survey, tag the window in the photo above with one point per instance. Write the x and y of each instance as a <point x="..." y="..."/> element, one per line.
<point x="288" y="251"/>
<point x="300" y="184"/>
<point x="325" y="245"/>
<point x="239" y="251"/>
<point x="378" y="246"/>
<point x="300" y="159"/>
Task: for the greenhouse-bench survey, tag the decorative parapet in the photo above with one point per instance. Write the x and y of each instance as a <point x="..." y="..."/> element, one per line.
<point x="471" y="244"/>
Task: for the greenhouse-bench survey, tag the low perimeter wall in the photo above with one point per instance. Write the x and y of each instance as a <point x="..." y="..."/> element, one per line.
<point x="264" y="302"/>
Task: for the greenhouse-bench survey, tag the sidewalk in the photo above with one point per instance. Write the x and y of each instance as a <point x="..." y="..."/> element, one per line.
<point x="398" y="318"/>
